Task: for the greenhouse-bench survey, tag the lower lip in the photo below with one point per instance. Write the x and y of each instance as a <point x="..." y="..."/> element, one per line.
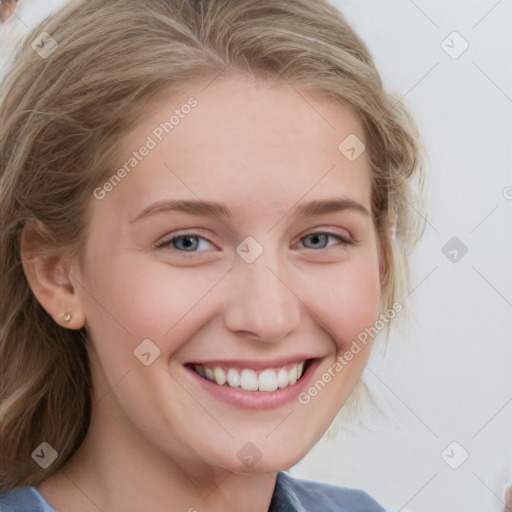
<point x="257" y="400"/>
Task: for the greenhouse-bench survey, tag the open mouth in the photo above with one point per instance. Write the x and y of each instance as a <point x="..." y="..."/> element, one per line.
<point x="248" y="379"/>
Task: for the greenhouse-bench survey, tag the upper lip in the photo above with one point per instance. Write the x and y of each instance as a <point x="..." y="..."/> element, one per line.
<point x="256" y="364"/>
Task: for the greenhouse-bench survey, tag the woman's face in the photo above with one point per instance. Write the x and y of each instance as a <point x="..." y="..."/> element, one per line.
<point x="238" y="245"/>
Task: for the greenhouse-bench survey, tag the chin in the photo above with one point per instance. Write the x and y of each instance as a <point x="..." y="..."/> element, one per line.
<point x="250" y="461"/>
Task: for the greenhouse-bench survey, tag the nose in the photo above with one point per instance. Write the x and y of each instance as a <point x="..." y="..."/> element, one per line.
<point x="260" y="301"/>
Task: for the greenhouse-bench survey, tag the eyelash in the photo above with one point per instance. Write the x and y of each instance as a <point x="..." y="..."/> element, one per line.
<point x="169" y="241"/>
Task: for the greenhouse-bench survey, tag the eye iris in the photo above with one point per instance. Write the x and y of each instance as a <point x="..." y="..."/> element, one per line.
<point x="189" y="242"/>
<point x="319" y="238"/>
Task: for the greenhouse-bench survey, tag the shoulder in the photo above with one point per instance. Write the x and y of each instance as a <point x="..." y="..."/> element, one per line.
<point x="300" y="495"/>
<point x="26" y="499"/>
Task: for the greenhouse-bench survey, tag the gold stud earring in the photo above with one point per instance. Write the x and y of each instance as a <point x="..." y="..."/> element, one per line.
<point x="67" y="317"/>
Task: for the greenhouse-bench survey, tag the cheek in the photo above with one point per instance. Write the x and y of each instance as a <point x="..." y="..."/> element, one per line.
<point x="135" y="298"/>
<point x="347" y="299"/>
<point x="131" y="301"/>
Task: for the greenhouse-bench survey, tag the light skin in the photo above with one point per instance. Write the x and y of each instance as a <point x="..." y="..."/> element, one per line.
<point x="157" y="437"/>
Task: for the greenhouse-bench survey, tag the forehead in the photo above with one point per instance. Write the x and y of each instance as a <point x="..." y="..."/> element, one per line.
<point x="257" y="145"/>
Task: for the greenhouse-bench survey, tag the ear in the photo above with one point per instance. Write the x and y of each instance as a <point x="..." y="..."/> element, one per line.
<point x="48" y="273"/>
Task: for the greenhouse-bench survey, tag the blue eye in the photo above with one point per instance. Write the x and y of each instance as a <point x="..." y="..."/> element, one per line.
<point x="322" y="239"/>
<point x="191" y="243"/>
<point x="184" y="243"/>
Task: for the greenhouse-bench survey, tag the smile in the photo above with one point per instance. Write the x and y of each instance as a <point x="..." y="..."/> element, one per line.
<point x="248" y="379"/>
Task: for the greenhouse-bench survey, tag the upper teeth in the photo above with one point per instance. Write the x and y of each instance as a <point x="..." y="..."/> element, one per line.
<point x="267" y="380"/>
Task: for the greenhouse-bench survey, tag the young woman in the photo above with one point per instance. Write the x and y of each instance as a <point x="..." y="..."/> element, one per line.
<point x="204" y="206"/>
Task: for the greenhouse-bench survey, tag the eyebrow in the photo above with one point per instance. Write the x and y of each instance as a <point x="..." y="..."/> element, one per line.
<point x="210" y="208"/>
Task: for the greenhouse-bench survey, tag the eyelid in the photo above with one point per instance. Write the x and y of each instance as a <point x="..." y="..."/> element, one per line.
<point x="167" y="240"/>
<point x="330" y="231"/>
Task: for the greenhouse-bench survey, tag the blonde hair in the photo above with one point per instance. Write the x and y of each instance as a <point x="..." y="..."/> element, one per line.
<point x="63" y="117"/>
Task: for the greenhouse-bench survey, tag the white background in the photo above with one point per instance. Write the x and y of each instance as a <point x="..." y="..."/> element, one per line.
<point x="449" y="376"/>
